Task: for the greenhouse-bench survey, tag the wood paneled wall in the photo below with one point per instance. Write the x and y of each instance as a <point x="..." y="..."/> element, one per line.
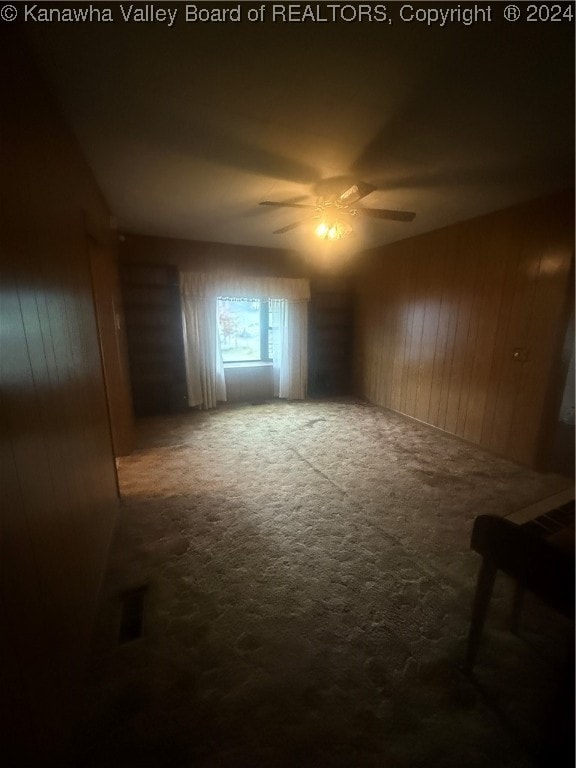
<point x="200" y="256"/>
<point x="58" y="486"/>
<point x="462" y="328"/>
<point x="112" y="334"/>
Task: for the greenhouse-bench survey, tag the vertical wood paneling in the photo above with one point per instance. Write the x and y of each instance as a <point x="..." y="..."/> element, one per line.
<point x="418" y="276"/>
<point x="399" y="339"/>
<point x="436" y="412"/>
<point x="475" y="253"/>
<point x="441" y="315"/>
<point x="547" y="313"/>
<point x="504" y="245"/>
<point x="450" y="348"/>
<point x="430" y="295"/>
<point x="519" y="294"/>
<point x="58" y="492"/>
<point x="407" y="313"/>
<point x="111" y="332"/>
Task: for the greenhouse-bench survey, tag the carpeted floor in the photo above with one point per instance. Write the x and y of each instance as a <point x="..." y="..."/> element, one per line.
<point x="308" y="583"/>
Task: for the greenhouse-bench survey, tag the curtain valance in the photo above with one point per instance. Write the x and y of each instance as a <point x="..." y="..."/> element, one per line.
<point x="214" y="284"/>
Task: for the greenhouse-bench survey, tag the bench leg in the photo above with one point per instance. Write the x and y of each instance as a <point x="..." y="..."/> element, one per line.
<point x="482" y="597"/>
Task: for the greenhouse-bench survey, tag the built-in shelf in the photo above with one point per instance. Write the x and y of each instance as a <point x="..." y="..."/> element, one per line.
<point x="155" y="338"/>
<point x="330" y="337"/>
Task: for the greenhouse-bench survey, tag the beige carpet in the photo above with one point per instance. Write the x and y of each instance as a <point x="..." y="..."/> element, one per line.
<point x="309" y="582"/>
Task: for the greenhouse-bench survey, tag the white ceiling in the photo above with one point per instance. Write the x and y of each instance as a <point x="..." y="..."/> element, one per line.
<point x="187" y="128"/>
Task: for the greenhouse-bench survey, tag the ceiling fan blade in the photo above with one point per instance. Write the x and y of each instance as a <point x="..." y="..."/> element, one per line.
<point x="356" y="192"/>
<point x="288" y="227"/>
<point x="382" y="213"/>
<point x="286" y="205"/>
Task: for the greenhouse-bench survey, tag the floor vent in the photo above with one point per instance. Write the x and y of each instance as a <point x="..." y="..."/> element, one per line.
<point x="132" y="614"/>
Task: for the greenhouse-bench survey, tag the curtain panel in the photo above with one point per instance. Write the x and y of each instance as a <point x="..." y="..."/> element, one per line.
<point x="204" y="366"/>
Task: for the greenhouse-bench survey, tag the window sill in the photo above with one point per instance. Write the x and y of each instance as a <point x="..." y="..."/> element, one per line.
<point x="249" y="364"/>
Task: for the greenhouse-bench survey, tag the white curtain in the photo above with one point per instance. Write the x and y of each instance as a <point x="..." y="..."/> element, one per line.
<point x="204" y="366"/>
<point x="291" y="349"/>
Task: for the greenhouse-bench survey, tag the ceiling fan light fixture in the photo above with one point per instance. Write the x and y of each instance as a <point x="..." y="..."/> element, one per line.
<point x="334" y="230"/>
<point x="334" y="212"/>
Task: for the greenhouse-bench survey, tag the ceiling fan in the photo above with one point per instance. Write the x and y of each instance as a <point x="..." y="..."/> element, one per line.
<point x="334" y="211"/>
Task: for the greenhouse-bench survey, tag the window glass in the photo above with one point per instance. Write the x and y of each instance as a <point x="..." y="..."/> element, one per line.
<point x="240" y="327"/>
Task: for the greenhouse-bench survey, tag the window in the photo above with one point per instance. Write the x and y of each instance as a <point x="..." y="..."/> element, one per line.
<point x="247" y="328"/>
